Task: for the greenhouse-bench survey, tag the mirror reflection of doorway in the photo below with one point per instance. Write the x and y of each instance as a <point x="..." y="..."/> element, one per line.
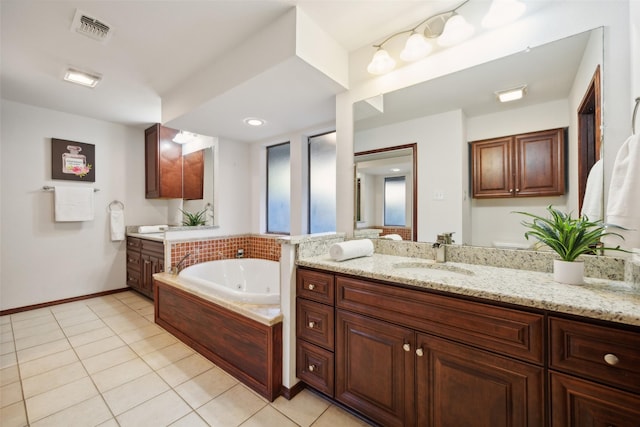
<point x="589" y="133"/>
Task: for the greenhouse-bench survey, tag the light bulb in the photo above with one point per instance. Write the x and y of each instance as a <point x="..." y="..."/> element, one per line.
<point x="416" y="47"/>
<point x="456" y="30"/>
<point x="381" y="63"/>
<point x="502" y="12"/>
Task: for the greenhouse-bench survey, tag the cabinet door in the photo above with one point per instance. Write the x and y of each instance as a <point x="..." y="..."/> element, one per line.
<point x="458" y="385"/>
<point x="163" y="163"/>
<point x="193" y="175"/>
<point x="147" y="274"/>
<point x="374" y="373"/>
<point x="151" y="156"/>
<point x="540" y="168"/>
<point x="579" y="403"/>
<point x="492" y="168"/>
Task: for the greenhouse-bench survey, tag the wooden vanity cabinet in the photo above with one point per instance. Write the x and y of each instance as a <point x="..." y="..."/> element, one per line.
<point x="144" y="259"/>
<point x="594" y="375"/>
<point x="525" y="165"/>
<point x="163" y="163"/>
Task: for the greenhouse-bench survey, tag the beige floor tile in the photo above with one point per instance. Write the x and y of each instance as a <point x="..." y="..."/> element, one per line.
<point x="163" y="357"/>
<point x="335" y="416"/>
<point x="232" y="407"/>
<point x="53" y="379"/>
<point x="138" y="303"/>
<point x="7" y="360"/>
<point x="91" y="336"/>
<point x="122" y="326"/>
<point x="185" y="369"/>
<point x="138" y="334"/>
<point x="30" y="314"/>
<point x="150" y="317"/>
<point x="6" y="328"/>
<point x="120" y="374"/>
<point x="47" y="363"/>
<point x="83" y="327"/>
<point x="66" y="396"/>
<point x="154" y="343"/>
<point x="69" y="306"/>
<point x="108" y="359"/>
<point x="146" y="311"/>
<point x="10" y="394"/>
<point x="9" y="375"/>
<point x="192" y="419"/>
<point x="7" y="336"/>
<point x="159" y="411"/>
<point x="83" y="317"/>
<point x="13" y="415"/>
<point x="269" y="417"/>
<point x="98" y="347"/>
<point x="110" y="423"/>
<point x="34" y="340"/>
<point x="304" y="408"/>
<point x="43" y="328"/>
<point x="7" y="347"/>
<point x="201" y="389"/>
<point x="91" y="412"/>
<point x="133" y="393"/>
<point x="5" y="319"/>
<point x="42" y="350"/>
<point x="110" y="310"/>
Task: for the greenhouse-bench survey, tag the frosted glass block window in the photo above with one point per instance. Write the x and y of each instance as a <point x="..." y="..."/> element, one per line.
<point x="278" y="188"/>
<point x="395" y="201"/>
<point x="322" y="183"/>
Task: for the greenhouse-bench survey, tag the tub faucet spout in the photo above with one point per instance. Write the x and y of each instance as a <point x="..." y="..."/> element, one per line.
<point x="179" y="266"/>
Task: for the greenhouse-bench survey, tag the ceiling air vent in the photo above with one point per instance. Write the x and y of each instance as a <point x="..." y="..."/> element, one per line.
<point x="91" y="27"/>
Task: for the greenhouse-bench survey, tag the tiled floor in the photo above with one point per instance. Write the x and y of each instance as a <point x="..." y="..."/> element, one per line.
<point x="103" y="362"/>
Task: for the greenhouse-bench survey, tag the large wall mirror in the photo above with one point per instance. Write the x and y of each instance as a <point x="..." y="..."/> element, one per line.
<point x="443" y="115"/>
<point x="199" y="159"/>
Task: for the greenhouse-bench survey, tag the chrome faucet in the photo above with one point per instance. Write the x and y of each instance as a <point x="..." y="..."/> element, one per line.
<point x="179" y="266"/>
<point x="240" y="253"/>
<point x="441" y="250"/>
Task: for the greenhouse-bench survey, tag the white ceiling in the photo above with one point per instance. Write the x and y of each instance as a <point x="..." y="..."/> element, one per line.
<point x="158" y="45"/>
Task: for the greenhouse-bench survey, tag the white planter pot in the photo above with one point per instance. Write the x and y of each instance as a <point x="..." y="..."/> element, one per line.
<point x="569" y="272"/>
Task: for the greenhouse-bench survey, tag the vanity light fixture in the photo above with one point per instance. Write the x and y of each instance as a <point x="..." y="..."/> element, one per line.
<point x="512" y="94"/>
<point x="447" y="28"/>
<point x="184" y="137"/>
<point x="254" y="121"/>
<point x="82" y="78"/>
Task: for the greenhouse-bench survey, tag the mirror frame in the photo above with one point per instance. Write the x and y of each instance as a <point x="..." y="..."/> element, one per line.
<point x="414" y="165"/>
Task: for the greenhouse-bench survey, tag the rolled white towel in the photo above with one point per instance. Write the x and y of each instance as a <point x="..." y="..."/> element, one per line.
<point x="152" y="228"/>
<point x="392" y="237"/>
<point x="351" y="249"/>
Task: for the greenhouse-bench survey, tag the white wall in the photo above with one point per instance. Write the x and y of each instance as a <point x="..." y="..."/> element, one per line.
<point x="440" y="145"/>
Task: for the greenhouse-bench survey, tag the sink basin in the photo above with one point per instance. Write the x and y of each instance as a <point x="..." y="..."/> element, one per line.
<point x="432" y="268"/>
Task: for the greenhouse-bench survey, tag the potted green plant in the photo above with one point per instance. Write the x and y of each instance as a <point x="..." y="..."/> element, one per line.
<point x="569" y="238"/>
<point x="194" y="219"/>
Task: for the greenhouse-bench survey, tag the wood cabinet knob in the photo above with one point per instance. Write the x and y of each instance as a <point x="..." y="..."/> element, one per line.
<point x="311" y="286"/>
<point x="312" y="325"/>
<point x="406" y="347"/>
<point x="611" y="359"/>
<point x="312" y="368"/>
<point x="419" y="352"/>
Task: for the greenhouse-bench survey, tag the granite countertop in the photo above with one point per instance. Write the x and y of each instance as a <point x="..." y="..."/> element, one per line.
<point x="614" y="301"/>
<point x="266" y="314"/>
<point x="158" y="237"/>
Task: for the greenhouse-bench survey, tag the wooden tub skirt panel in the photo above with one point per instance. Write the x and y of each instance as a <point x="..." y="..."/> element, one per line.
<point x="248" y="350"/>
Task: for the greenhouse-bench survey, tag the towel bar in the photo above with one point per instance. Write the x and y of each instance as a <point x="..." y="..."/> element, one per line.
<point x="116" y="203"/>
<point x="50" y="188"/>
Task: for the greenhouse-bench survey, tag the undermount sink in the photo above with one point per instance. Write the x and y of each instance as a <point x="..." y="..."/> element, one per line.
<point x="431" y="268"/>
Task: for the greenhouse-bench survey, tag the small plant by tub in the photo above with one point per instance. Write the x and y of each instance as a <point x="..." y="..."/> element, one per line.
<point x="569" y="238"/>
<point x="194" y="219"/>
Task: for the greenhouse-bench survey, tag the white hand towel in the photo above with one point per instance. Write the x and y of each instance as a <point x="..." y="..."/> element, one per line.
<point x="392" y="237"/>
<point x="351" y="249"/>
<point x="117" y="225"/>
<point x="623" y="205"/>
<point x="73" y="204"/>
<point x="594" y="193"/>
<point x="152" y="228"/>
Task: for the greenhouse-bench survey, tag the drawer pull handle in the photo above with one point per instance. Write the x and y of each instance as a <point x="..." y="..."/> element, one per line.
<point x="312" y="325"/>
<point x="406" y="347"/>
<point x="311" y="286"/>
<point x="611" y="359"/>
<point x="419" y="352"/>
<point x="312" y="368"/>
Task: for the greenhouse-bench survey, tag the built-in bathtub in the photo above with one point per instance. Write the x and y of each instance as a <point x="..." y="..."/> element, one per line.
<point x="228" y="311"/>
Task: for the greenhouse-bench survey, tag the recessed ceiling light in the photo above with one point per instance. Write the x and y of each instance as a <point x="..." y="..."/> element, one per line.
<point x="254" y="121"/>
<point x="395" y="170"/>
<point x="512" y="94"/>
<point x="82" y="78"/>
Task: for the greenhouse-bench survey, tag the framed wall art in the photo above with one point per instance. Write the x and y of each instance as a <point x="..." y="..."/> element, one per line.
<point x="71" y="160"/>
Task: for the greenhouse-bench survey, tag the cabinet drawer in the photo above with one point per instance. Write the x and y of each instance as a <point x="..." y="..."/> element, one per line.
<point x="133" y="243"/>
<point x="507" y="331"/>
<point x="315" y="366"/>
<point x="133" y="260"/>
<point x="605" y="354"/>
<point x="315" y="286"/>
<point x="152" y="246"/>
<point x="315" y="323"/>
<point x="133" y="278"/>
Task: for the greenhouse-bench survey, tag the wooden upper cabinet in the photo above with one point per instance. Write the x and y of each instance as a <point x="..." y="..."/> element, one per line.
<point x="163" y="163"/>
<point x="193" y="175"/>
<point x="526" y="165"/>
